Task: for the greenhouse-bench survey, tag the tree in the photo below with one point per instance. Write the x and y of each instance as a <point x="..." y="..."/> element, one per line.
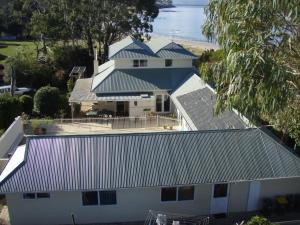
<point x="256" y="220"/>
<point x="47" y="101"/>
<point x="10" y="108"/>
<point x="26" y="102"/>
<point x="260" y="73"/>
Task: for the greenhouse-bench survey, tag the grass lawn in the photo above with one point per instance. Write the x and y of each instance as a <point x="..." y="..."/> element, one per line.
<point x="10" y="48"/>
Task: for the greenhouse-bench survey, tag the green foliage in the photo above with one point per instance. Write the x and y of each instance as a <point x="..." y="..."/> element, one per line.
<point x="70" y="85"/>
<point x="30" y="73"/>
<point x="256" y="220"/>
<point x="47" y="101"/>
<point x="66" y="57"/>
<point x="259" y="74"/>
<point x="10" y="108"/>
<point x="26" y="102"/>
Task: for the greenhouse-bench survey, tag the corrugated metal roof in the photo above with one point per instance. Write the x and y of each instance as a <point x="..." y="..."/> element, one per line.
<point x="150" y="159"/>
<point x="82" y="93"/>
<point x="167" y="49"/>
<point x="147" y="80"/>
<point x="130" y="48"/>
<point x="199" y="107"/>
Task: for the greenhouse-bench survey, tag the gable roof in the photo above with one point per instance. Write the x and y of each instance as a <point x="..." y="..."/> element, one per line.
<point x="149" y="160"/>
<point x="198" y="107"/>
<point x="143" y="80"/>
<point x="130" y="48"/>
<point x="167" y="49"/>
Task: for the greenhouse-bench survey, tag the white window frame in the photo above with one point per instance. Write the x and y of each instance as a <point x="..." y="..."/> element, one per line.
<point x="137" y="63"/>
<point x="163" y="103"/>
<point x="177" y="194"/>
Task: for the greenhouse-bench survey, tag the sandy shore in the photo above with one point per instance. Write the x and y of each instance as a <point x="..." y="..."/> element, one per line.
<point x="189" y="43"/>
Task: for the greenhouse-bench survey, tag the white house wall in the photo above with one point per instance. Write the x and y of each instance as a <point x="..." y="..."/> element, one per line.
<point x="132" y="205"/>
<point x="153" y="63"/>
<point x="138" y="110"/>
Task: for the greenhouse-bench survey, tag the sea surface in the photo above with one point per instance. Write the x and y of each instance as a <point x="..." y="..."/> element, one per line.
<point x="185" y="21"/>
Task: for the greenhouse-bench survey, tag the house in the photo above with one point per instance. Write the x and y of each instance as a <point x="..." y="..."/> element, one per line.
<point x="119" y="177"/>
<point x="138" y="78"/>
<point x="212" y="164"/>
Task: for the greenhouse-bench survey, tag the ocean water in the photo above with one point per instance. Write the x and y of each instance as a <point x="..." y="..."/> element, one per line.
<point x="185" y="21"/>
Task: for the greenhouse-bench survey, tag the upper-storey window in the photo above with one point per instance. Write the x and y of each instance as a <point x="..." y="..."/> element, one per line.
<point x="168" y="62"/>
<point x="136" y="63"/>
<point x="140" y="63"/>
<point x="143" y="63"/>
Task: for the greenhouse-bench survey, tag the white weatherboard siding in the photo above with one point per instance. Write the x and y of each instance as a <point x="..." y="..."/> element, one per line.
<point x="153" y="63"/>
<point x="133" y="204"/>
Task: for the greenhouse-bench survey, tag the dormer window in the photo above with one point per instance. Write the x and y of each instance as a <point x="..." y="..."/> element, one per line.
<point x="168" y="62"/>
<point x="140" y="63"/>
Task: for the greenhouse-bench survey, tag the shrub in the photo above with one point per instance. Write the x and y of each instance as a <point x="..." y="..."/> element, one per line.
<point x="256" y="220"/>
<point x="26" y="102"/>
<point x="47" y="101"/>
<point x="10" y="108"/>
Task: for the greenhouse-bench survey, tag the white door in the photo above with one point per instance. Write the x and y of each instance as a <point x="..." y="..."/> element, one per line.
<point x="219" y="200"/>
<point x="253" y="197"/>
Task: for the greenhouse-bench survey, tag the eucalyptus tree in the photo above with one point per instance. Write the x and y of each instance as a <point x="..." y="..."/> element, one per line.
<point x="260" y="73"/>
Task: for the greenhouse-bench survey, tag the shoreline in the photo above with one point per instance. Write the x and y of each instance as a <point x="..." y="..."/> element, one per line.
<point x="190" y="43"/>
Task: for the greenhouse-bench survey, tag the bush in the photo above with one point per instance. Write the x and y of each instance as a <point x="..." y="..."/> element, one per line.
<point x="256" y="220"/>
<point x="47" y="101"/>
<point x="29" y="72"/>
<point x="26" y="102"/>
<point x="10" y="108"/>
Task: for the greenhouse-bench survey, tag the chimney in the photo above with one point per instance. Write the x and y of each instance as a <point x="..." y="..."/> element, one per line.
<point x="96" y="63"/>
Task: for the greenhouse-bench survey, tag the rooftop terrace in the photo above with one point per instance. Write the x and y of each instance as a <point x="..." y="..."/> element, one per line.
<point x="100" y="125"/>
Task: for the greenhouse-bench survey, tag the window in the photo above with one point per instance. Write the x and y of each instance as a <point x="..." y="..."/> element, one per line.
<point x="220" y="190"/>
<point x="168" y="194"/>
<point x="143" y="63"/>
<point x="158" y="103"/>
<point x="29" y="195"/>
<point x="135" y="103"/>
<point x="90" y="198"/>
<point x="136" y="63"/>
<point x="168" y="62"/>
<point x="185" y="193"/>
<point x="108" y="198"/>
<point x="166" y="103"/>
<point x="140" y="63"/>
<point x="43" y="195"/>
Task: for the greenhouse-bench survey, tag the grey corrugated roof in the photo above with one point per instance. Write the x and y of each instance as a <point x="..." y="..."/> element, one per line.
<point x="130" y="48"/>
<point x="150" y="159"/>
<point x="167" y="49"/>
<point x="82" y="93"/>
<point x="147" y="80"/>
<point x="199" y="107"/>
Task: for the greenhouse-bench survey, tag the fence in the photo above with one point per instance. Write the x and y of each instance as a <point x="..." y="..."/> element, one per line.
<point x="124" y="122"/>
<point x="97" y="124"/>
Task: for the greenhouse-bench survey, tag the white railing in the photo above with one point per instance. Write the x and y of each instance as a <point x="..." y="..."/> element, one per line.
<point x="12" y="137"/>
<point x="107" y="123"/>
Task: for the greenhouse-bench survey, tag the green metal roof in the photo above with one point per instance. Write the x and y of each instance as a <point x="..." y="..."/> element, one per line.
<point x="130" y="48"/>
<point x="141" y="80"/>
<point x="63" y="163"/>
